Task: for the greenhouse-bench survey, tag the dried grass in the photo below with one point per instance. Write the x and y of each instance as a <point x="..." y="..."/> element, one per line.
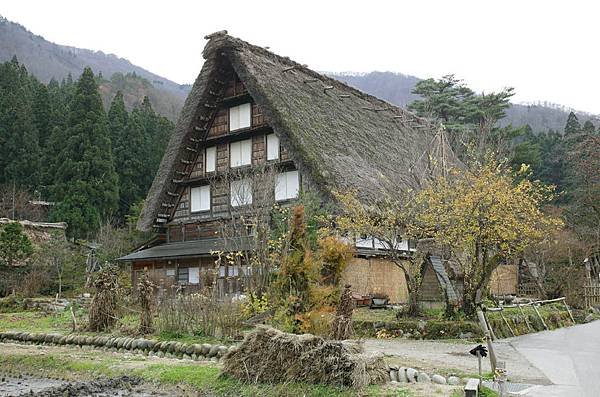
<point x="270" y="356"/>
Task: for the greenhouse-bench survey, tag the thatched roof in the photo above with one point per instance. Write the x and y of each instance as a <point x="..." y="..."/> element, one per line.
<point x="340" y="137"/>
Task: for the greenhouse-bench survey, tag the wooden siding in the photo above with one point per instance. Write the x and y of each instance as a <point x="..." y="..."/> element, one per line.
<point x="179" y="282"/>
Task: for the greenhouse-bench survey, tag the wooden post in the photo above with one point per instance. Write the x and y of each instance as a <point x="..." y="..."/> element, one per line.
<point x="540" y="316"/>
<point x="486" y="333"/>
<point x="479" y="367"/>
<point x="569" y="311"/>
<point x="525" y="317"/>
<point x="492" y="334"/>
<point x="507" y="324"/>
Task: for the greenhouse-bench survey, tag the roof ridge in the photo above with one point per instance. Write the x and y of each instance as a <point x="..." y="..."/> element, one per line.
<point x="237" y="43"/>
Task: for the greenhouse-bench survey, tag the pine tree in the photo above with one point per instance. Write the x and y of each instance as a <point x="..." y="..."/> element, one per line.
<point x="572" y="126"/>
<point x="86" y="183"/>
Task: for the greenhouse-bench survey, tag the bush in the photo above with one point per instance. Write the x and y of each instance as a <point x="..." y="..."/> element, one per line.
<point x="198" y="314"/>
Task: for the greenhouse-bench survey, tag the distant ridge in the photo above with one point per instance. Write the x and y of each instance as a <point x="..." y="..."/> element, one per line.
<point x="397" y="88"/>
<point x="47" y="60"/>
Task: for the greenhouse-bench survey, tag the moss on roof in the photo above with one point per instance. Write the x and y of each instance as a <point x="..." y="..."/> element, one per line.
<point x="340" y="137"/>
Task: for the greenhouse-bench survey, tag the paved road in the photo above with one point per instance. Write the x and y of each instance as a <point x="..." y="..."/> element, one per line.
<point x="568" y="357"/>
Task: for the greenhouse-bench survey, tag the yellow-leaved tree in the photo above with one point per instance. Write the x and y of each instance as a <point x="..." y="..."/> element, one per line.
<point x="485" y="216"/>
<point x="388" y="221"/>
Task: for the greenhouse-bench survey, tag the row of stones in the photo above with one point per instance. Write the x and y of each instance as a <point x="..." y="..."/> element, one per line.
<point x="149" y="347"/>
<point x="411" y="375"/>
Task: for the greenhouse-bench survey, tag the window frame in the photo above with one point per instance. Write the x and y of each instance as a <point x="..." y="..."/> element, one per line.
<point x="231" y="195"/>
<point x="214" y="162"/>
<point x="201" y="210"/>
<point x="241" y="144"/>
<point x="235" y="111"/>
<point x="277" y="147"/>
<point x="287" y="196"/>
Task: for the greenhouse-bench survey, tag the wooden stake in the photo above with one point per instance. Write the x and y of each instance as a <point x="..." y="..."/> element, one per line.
<point x="486" y="333"/>
<point x="540" y="316"/>
<point x="569" y="311"/>
<point x="525" y="317"/>
<point x="507" y="324"/>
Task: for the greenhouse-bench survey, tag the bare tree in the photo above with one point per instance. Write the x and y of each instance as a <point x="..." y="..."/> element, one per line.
<point x="246" y="227"/>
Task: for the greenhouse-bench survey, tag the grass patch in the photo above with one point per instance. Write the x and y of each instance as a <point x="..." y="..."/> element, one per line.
<point x="202" y="379"/>
<point x="34" y="321"/>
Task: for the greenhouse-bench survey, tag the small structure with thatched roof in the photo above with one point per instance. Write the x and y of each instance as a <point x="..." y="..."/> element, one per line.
<point x="251" y="110"/>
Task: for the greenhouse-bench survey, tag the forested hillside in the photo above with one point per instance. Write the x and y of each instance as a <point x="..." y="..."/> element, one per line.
<point x="397" y="88"/>
<point x="47" y="60"/>
<point x="59" y="144"/>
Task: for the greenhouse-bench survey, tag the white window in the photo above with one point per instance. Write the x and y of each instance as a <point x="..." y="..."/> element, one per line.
<point x="241" y="192"/>
<point x="272" y="147"/>
<point x="221" y="271"/>
<point x="200" y="197"/>
<point x="287" y="185"/>
<point x="210" y="157"/>
<point x="240" y="152"/>
<point x="194" y="275"/>
<point x="170" y="272"/>
<point x="233" y="270"/>
<point x="240" y="116"/>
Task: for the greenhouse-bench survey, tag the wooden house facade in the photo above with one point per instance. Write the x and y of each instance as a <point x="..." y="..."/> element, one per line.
<point x="250" y="113"/>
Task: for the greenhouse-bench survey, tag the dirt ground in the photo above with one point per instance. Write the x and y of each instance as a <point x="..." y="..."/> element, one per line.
<point x="448" y="358"/>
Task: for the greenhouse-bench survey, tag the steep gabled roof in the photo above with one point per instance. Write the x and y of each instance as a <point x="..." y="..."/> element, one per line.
<point x="340" y="137"/>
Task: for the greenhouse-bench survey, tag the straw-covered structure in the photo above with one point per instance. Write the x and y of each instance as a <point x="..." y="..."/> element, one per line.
<point x="268" y="355"/>
<point x="339" y="137"/>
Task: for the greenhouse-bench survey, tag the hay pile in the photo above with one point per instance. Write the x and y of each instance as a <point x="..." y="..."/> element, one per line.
<point x="271" y="356"/>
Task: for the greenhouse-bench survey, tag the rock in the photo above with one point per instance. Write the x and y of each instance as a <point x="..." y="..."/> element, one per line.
<point x="222" y="351"/>
<point x="423" y="378"/>
<point x="466" y="335"/>
<point x="402" y="378"/>
<point x="213" y="351"/>
<point x="194" y="357"/>
<point x="411" y="374"/>
<point x="160" y="354"/>
<point x="439" y="379"/>
<point x="232" y="348"/>
<point x="197" y="348"/>
<point x="214" y="360"/>
<point x="453" y="380"/>
<point x="187" y="357"/>
<point x="206" y="348"/>
<point x="589" y="318"/>
<point x="421" y="325"/>
<point x="189" y="349"/>
<point x="393" y="375"/>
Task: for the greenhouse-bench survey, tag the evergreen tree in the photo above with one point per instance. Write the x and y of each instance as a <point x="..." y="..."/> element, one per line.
<point x="14" y="244"/>
<point x="86" y="183"/>
<point x="588" y="128"/>
<point x="19" y="145"/>
<point x="572" y="126"/>
<point x="129" y="149"/>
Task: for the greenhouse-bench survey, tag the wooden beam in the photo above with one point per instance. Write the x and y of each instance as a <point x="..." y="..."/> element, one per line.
<point x="187" y="162"/>
<point x="191" y="149"/>
<point x="172" y="194"/>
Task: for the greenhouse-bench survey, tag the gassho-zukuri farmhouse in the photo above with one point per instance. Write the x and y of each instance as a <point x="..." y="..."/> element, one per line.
<point x="249" y="111"/>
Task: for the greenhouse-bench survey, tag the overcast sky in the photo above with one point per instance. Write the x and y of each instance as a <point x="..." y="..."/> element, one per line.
<point x="548" y="50"/>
